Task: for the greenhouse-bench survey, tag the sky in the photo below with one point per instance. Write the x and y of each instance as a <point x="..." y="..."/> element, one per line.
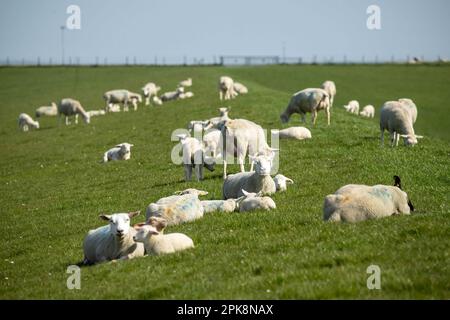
<point x="175" y="30"/>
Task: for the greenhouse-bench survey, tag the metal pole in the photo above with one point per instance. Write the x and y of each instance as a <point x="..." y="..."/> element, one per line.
<point x="62" y="44"/>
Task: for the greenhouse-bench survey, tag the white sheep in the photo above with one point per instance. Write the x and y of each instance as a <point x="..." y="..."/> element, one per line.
<point x="48" y="111"/>
<point x="186" y="95"/>
<point x="113" y="107"/>
<point x="119" y="152"/>
<point x="156" y="243"/>
<point x="193" y="157"/>
<point x="353" y="203"/>
<point x="214" y="122"/>
<point x="172" y="95"/>
<point x="196" y="126"/>
<point x="94" y="113"/>
<point x="212" y="143"/>
<point x="330" y="88"/>
<point x="281" y="182"/>
<point x="411" y="107"/>
<point x="256" y="181"/>
<point x="308" y="100"/>
<point x="368" y="111"/>
<point x="149" y="90"/>
<point x="121" y="96"/>
<point x="226" y="88"/>
<point x="157" y="101"/>
<point x="229" y="205"/>
<point x="113" y="241"/>
<point x="352" y="107"/>
<point x="299" y="133"/>
<point x="396" y="117"/>
<point x="71" y="107"/>
<point x="25" y="122"/>
<point x="185" y="83"/>
<point x="254" y="201"/>
<point x="239" y="88"/>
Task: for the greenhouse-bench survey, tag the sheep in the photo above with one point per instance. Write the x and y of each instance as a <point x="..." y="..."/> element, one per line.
<point x="172" y="95"/>
<point x="149" y="90"/>
<point x="239" y="88"/>
<point x="69" y="107"/>
<point x="113" y="107"/>
<point x="113" y="241"/>
<point x="157" y="243"/>
<point x="308" y="100"/>
<point x="48" y="111"/>
<point x="226" y="88"/>
<point x="94" y="113"/>
<point x="299" y="133"/>
<point x="229" y="205"/>
<point x="330" y="88"/>
<point x="396" y="117"/>
<point x="191" y="191"/>
<point x="25" y="122"/>
<point x="211" y="141"/>
<point x="176" y="209"/>
<point x="193" y="157"/>
<point x="353" y="203"/>
<point x="352" y="107"/>
<point x="185" y="83"/>
<point x="411" y="107"/>
<point x="121" y="96"/>
<point x="254" y="201"/>
<point x="119" y="152"/>
<point x="368" y="111"/>
<point x="256" y="181"/>
<point x="214" y="122"/>
<point x="281" y="182"/>
<point x="157" y="101"/>
<point x="186" y="95"/>
<point x="197" y="125"/>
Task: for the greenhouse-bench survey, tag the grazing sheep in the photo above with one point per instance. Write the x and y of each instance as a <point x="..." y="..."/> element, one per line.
<point x="149" y="90"/>
<point x="256" y="181"/>
<point x="176" y="209"/>
<point x="352" y="107"/>
<point x="172" y="95"/>
<point x="212" y="143"/>
<point x="193" y="157"/>
<point x="157" y="101"/>
<point x="119" y="152"/>
<point x="239" y="88"/>
<point x="308" y="100"/>
<point x="156" y="243"/>
<point x="71" y="107"/>
<point x="113" y="241"/>
<point x="411" y="107"/>
<point x="186" y="95"/>
<point x="25" y="122"/>
<point x="229" y="205"/>
<point x="48" y="111"/>
<point x="94" y="113"/>
<point x="368" y="111"/>
<point x="299" y="133"/>
<point x="254" y="201"/>
<point x="281" y="182"/>
<point x="396" y="117"/>
<point x="121" y="96"/>
<point x="226" y="88"/>
<point x="353" y="203"/>
<point x="330" y="88"/>
<point x="185" y="83"/>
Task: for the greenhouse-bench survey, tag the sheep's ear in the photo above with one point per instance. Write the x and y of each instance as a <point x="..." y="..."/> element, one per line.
<point x="133" y="214"/>
<point x="289" y="180"/>
<point x="158" y="223"/>
<point x="131" y="145"/>
<point x="105" y="217"/>
<point x="137" y="226"/>
<point x="202" y="193"/>
<point x="404" y="135"/>
<point x="118" y="145"/>
<point x="419" y="137"/>
<point x="245" y="192"/>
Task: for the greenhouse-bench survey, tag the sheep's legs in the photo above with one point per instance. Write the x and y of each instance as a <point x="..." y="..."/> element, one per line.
<point x="147" y="100"/>
<point x="76" y="118"/>
<point x="314" y="117"/>
<point x="382" y="138"/>
<point x="220" y="95"/>
<point x="187" y="172"/>
<point x="392" y="136"/>
<point x="199" y="172"/>
<point x="397" y="138"/>
<point x="67" y="120"/>
<point x="327" y="110"/>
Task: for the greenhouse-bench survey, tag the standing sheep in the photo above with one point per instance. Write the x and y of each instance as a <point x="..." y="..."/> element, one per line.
<point x="119" y="152"/>
<point x="71" y="107"/>
<point x="299" y="133"/>
<point x="48" y="111"/>
<point x="308" y="100"/>
<point x="121" y="96"/>
<point x="352" y="107"/>
<point x="193" y="157"/>
<point x="330" y="88"/>
<point x="150" y="90"/>
<point x="226" y="88"/>
<point x="368" y="111"/>
<point x="25" y="122"/>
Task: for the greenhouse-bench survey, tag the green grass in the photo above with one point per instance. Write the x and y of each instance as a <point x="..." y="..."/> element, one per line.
<point x="53" y="188"/>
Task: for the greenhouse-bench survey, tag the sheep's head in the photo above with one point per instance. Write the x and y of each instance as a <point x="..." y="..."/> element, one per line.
<point x="180" y="90"/>
<point x="37" y="124"/>
<point x="87" y="119"/>
<point x="191" y="191"/>
<point x="119" y="222"/>
<point x="284" y="118"/>
<point x="153" y="226"/>
<point x="145" y="91"/>
<point x="125" y="147"/>
<point x="410" y="140"/>
<point x="263" y="164"/>
<point x="281" y="182"/>
<point x="224" y="111"/>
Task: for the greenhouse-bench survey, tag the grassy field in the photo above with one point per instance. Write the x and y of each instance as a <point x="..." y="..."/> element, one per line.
<point x="53" y="188"/>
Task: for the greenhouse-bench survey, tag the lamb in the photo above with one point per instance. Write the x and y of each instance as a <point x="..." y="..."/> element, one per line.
<point x="48" y="111"/>
<point x="157" y="243"/>
<point x="149" y="90"/>
<point x="299" y="133"/>
<point x="368" y="111"/>
<point x="352" y="107"/>
<point x="256" y="181"/>
<point x="113" y="241"/>
<point x="119" y="152"/>
<point x="186" y="95"/>
<point x="239" y="88"/>
<point x="193" y="157"/>
<point x="121" y="96"/>
<point x="25" y="122"/>
<point x="254" y="201"/>
<point x="94" y="113"/>
<point x="330" y="88"/>
<point x="214" y="122"/>
<point x="229" y="205"/>
<point x="226" y="88"/>
<point x="185" y="83"/>
<point x="157" y="101"/>
<point x="308" y="100"/>
<point x="396" y="117"/>
<point x="172" y="95"/>
<point x="69" y="107"/>
<point x="281" y="182"/>
<point x="197" y="126"/>
<point x="353" y="203"/>
<point x="212" y="143"/>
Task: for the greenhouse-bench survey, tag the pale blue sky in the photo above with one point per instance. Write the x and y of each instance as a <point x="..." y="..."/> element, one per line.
<point x="204" y="28"/>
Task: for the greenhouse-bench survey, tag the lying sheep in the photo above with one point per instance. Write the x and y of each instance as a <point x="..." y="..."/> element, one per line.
<point x="229" y="205"/>
<point x="368" y="111"/>
<point x="157" y="101"/>
<point x="113" y="241"/>
<point x="281" y="182"/>
<point x="239" y="88"/>
<point x="150" y="90"/>
<point x="330" y="88"/>
<point x="308" y="100"/>
<point x="156" y="243"/>
<point x="121" y="96"/>
<point x="254" y="201"/>
<point x="256" y="181"/>
<point x="193" y="157"/>
<point x="94" y="113"/>
<point x="299" y="133"/>
<point x="119" y="152"/>
<point x="25" y="122"/>
<point x="70" y="107"/>
<point x="226" y="88"/>
<point x="172" y="95"/>
<point x="397" y="119"/>
<point x="352" y="107"/>
<point x="48" y="111"/>
<point x="185" y="83"/>
<point x="186" y="95"/>
<point x="353" y="203"/>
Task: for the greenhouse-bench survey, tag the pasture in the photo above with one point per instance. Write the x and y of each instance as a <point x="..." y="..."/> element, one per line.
<point x="53" y="187"/>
